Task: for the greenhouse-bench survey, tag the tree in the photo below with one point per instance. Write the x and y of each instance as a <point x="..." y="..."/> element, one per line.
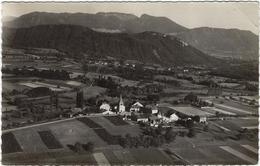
<point x="191" y="133"/>
<point x="122" y="142"/>
<point x="206" y="128"/>
<point x="191" y="97"/>
<point x="170" y="136"/>
<point x="89" y="146"/>
<point x="78" y="147"/>
<point x="155" y="142"/>
<point x="217" y="113"/>
<point x="189" y="123"/>
<point x="92" y="101"/>
<point x="196" y="118"/>
<point x="85" y="68"/>
<point x="128" y="140"/>
<point x="159" y="130"/>
<point x="252" y="102"/>
<point x="153" y="97"/>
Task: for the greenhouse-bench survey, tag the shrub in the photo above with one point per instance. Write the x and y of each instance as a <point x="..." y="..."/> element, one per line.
<point x="191" y="133"/>
<point x="88" y="147"/>
<point x="196" y="118"/>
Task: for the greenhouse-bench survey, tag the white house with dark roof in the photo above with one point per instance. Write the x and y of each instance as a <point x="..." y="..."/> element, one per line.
<point x="106" y="109"/>
<point x="136" y="107"/>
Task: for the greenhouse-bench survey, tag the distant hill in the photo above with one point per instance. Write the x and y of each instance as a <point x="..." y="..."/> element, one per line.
<point x="8" y="18"/>
<point x="217" y="42"/>
<point x="231" y="43"/>
<point x="78" y="41"/>
<point x="114" y="22"/>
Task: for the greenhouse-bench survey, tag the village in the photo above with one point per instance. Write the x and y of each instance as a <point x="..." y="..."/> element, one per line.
<point x="107" y="102"/>
<point x="99" y="87"/>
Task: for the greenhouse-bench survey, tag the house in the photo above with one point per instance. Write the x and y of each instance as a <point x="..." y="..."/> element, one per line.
<point x="136" y="107"/>
<point x="154" y="120"/>
<point x="142" y="118"/>
<point x="203" y="119"/>
<point x="169" y="117"/>
<point x="126" y="115"/>
<point x="75" y="111"/>
<point x="105" y="107"/>
<point x="107" y="112"/>
<point x="153" y="109"/>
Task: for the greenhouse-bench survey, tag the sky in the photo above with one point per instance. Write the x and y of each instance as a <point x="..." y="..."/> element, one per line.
<point x="240" y="15"/>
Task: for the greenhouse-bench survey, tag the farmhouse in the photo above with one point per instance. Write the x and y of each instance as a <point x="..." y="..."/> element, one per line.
<point x="106" y="109"/>
<point x="142" y="118"/>
<point x="169" y="117"/>
<point x="105" y="106"/>
<point x="136" y="107"/>
<point x="153" y="108"/>
<point x="154" y="120"/>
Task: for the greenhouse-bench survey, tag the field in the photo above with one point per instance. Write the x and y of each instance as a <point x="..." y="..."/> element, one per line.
<point x="212" y="154"/>
<point x="201" y="149"/>
<point x="234" y="107"/>
<point x="43" y="84"/>
<point x="49" y="140"/>
<point x="9" y="86"/>
<point x="10" y="144"/>
<point x="21" y="83"/>
<point x="191" y="111"/>
<point x="214" y="110"/>
<point x="106" y="136"/>
<point x="38" y="141"/>
<point x="117" y="130"/>
<point x="150" y="156"/>
<point x="89" y="92"/>
<point x="90" y="123"/>
<point x="237" y="124"/>
<point x="116" y="120"/>
<point x="76" y="132"/>
<point x="205" y="148"/>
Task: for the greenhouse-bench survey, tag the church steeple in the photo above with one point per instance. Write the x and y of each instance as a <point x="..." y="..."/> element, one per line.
<point x="121" y="100"/>
<point x="121" y="107"/>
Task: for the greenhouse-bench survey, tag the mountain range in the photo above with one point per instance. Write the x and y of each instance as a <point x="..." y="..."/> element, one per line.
<point x="223" y="43"/>
<point x="78" y="41"/>
<point x="217" y="42"/>
<point x="109" y="21"/>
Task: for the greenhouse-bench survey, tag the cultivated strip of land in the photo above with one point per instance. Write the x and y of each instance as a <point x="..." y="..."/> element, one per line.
<point x="232" y="108"/>
<point x="250" y="148"/>
<point x="224" y="112"/>
<point x="238" y="154"/>
<point x="223" y="128"/>
<point x="101" y="159"/>
<point x="250" y="127"/>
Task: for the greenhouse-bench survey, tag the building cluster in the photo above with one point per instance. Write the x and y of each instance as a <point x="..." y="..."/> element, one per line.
<point x="149" y="114"/>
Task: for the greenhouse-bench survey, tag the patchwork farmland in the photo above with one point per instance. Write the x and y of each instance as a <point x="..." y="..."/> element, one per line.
<point x="49" y="143"/>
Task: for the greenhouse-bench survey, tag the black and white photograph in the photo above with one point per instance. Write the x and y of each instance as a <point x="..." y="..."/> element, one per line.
<point x="130" y="83"/>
